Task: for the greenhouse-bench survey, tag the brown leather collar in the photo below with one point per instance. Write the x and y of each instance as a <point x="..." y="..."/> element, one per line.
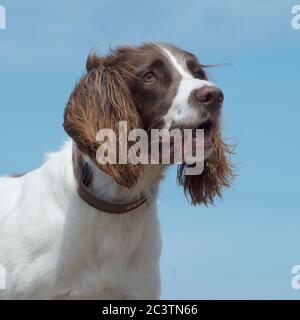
<point x="84" y="176"/>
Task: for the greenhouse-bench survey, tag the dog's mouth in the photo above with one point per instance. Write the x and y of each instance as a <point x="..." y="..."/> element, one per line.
<point x="204" y="136"/>
<point x="194" y="140"/>
<point x="208" y="127"/>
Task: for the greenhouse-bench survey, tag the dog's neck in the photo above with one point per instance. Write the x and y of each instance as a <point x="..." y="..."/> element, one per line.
<point x="106" y="188"/>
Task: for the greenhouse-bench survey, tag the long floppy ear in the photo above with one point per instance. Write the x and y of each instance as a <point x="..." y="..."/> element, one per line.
<point x="217" y="173"/>
<point x="100" y="100"/>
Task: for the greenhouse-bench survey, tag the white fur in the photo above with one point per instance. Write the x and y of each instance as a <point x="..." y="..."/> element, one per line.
<point x="55" y="246"/>
<point x="181" y="111"/>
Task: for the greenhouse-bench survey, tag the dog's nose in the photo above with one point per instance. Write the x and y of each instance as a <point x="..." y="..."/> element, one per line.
<point x="211" y="97"/>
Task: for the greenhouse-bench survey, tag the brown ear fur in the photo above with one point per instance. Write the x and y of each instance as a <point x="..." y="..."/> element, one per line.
<point x="217" y="173"/>
<point x="100" y="100"/>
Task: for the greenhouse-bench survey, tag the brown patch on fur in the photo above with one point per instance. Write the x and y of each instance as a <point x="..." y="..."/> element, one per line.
<point x="217" y="174"/>
<point x="101" y="99"/>
<point x="112" y="91"/>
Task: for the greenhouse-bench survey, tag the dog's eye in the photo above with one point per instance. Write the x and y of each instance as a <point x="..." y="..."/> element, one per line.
<point x="149" y="77"/>
<point x="199" y="73"/>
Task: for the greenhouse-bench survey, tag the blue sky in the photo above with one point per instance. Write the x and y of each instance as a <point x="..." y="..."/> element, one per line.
<point x="245" y="246"/>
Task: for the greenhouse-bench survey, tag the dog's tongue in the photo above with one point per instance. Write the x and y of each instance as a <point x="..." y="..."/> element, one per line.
<point x="198" y="143"/>
<point x="189" y="147"/>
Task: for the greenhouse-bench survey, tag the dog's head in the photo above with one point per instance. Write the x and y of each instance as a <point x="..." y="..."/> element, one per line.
<point x="151" y="86"/>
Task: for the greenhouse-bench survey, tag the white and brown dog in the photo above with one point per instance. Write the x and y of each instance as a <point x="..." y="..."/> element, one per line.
<point x="62" y="234"/>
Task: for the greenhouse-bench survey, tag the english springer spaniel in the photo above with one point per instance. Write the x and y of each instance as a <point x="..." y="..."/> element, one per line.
<point x="77" y="229"/>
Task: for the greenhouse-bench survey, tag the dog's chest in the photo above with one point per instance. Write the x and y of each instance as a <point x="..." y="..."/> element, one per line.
<point x="114" y="259"/>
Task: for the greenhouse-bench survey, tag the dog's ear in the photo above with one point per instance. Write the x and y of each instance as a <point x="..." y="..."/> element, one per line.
<point x="217" y="173"/>
<point x="100" y="100"/>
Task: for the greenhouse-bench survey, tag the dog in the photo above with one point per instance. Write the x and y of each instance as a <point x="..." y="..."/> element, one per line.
<point x="78" y="229"/>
